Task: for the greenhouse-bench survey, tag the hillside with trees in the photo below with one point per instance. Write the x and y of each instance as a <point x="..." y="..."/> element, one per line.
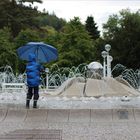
<point x="122" y="31"/>
<point x="75" y="41"/>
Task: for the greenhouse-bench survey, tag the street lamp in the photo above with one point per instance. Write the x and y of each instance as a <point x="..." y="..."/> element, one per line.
<point x="104" y="55"/>
<point x="107" y="48"/>
<point x="47" y="78"/>
<point x="139" y="80"/>
<point x="110" y="60"/>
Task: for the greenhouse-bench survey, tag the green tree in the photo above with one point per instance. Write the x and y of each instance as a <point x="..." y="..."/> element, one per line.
<point x="26" y="36"/>
<point x="51" y="20"/>
<point x="7" y="49"/>
<point x="75" y="45"/>
<point x="92" y="28"/>
<point x="122" y="31"/>
<point x="17" y="16"/>
<point x="99" y="47"/>
<point x="30" y="1"/>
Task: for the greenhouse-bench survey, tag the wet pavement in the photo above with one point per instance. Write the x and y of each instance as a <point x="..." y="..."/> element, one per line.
<point x="69" y="124"/>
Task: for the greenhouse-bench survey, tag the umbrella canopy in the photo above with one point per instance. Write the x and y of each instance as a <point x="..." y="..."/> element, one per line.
<point x="43" y="52"/>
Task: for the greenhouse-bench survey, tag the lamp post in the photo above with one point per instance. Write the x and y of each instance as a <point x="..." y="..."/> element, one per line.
<point x="139" y="80"/>
<point x="104" y="55"/>
<point x="47" y="78"/>
<point x="110" y="60"/>
<point x="107" y="48"/>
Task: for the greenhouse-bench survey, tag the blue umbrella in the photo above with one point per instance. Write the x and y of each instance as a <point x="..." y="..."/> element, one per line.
<point x="44" y="52"/>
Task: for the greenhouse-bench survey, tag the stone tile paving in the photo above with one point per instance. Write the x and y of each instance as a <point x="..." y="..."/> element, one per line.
<point x="117" y="125"/>
<point x="33" y="134"/>
<point x="83" y="131"/>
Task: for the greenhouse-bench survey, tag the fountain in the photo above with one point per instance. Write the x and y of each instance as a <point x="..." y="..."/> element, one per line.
<point x="129" y="75"/>
<point x="77" y="79"/>
<point x="7" y="76"/>
<point x="57" y="75"/>
<point x="71" y="87"/>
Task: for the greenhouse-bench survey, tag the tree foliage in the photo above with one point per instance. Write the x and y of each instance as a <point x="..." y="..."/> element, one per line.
<point x="122" y="31"/>
<point x="17" y="16"/>
<point x="76" y="42"/>
<point x="51" y="20"/>
<point x="7" y="50"/>
<point x="92" y="28"/>
<point x="26" y="36"/>
<point x="76" y="45"/>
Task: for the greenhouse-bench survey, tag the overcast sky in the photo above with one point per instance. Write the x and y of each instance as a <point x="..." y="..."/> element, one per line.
<point x="99" y="9"/>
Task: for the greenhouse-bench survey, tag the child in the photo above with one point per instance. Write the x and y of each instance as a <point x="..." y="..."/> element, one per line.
<point x="33" y="70"/>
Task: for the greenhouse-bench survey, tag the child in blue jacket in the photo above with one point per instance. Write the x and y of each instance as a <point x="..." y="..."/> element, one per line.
<point x="33" y="70"/>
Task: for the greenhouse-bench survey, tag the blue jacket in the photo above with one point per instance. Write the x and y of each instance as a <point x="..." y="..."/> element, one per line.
<point x="33" y="71"/>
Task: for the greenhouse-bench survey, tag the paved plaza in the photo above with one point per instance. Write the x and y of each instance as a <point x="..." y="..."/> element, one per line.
<point x="104" y="113"/>
<point x="69" y="124"/>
